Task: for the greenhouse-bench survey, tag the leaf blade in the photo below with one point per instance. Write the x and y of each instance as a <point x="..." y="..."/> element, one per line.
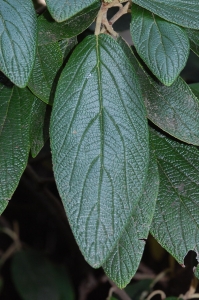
<point x="87" y="143"/>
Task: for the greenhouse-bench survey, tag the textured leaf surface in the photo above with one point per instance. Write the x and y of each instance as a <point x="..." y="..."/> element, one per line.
<point x="163" y="46"/>
<point x="36" y="278"/>
<point x="67" y="45"/>
<point x="99" y="141"/>
<point x="62" y="10"/>
<point x="174" y="109"/>
<point x="124" y="260"/>
<point x="194" y="40"/>
<point x="15" y="110"/>
<point x="181" y="12"/>
<point x="39" y="126"/>
<point x="18" y="36"/>
<point x="175" y="223"/>
<point x="49" y="31"/>
<point x="47" y="63"/>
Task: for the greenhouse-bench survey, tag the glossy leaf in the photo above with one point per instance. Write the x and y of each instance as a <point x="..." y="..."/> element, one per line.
<point x="18" y="37"/>
<point x="15" y="109"/>
<point x="36" y="278"/>
<point x="163" y="46"/>
<point x="194" y="40"/>
<point x="176" y="220"/>
<point x="49" y="31"/>
<point x="124" y="260"/>
<point x="47" y="63"/>
<point x="99" y="141"/>
<point x="181" y="12"/>
<point x="62" y="10"/>
<point x="39" y="126"/>
<point x="174" y="112"/>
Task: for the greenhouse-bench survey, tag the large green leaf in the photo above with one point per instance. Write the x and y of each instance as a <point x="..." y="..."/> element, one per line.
<point x="174" y="109"/>
<point x="99" y="141"/>
<point x="35" y="278"/>
<point x="39" y="126"/>
<point x="181" y="12"/>
<point x="49" y="31"/>
<point x="63" y="10"/>
<point x="18" y="36"/>
<point x="163" y="46"/>
<point x="194" y="40"/>
<point x="47" y="63"/>
<point x="125" y="258"/>
<point x="67" y="45"/>
<point x="175" y="223"/>
<point x="15" y="111"/>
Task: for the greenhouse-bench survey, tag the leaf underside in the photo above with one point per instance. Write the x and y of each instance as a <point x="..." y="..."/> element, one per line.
<point x="18" y="39"/>
<point x="124" y="260"/>
<point x="99" y="141"/>
<point x="163" y="46"/>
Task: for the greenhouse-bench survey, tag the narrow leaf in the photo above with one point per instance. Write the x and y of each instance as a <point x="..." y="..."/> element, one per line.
<point x="163" y="46"/>
<point x="181" y="12"/>
<point x="176" y="220"/>
<point x="174" y="109"/>
<point x="39" y="126"/>
<point x="18" y="37"/>
<point x="49" y="31"/>
<point x="62" y="10"/>
<point x="15" y="111"/>
<point x="194" y="40"/>
<point x="47" y="63"/>
<point x="124" y="260"/>
<point x="99" y="141"/>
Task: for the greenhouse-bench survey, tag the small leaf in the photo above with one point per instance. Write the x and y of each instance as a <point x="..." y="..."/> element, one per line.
<point x="99" y="141"/>
<point x="124" y="260"/>
<point x="39" y="126"/>
<point x="175" y="223"/>
<point x="15" y="110"/>
<point x="47" y="63"/>
<point x="181" y="12"/>
<point x="193" y="35"/>
<point x="163" y="46"/>
<point x="36" y="278"/>
<point x="174" y="109"/>
<point x="18" y="36"/>
<point x="62" y="10"/>
<point x="49" y="31"/>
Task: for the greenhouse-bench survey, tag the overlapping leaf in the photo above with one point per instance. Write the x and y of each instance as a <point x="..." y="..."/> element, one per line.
<point x="163" y="46"/>
<point x="15" y="111"/>
<point x="174" y="109"/>
<point x="39" y="126"/>
<point x="181" y="12"/>
<point x="99" y="141"/>
<point x="18" y="38"/>
<point x="175" y="223"/>
<point x="125" y="258"/>
<point x="49" y="31"/>
<point x="194" y="40"/>
<point x="62" y="10"/>
<point x="47" y="63"/>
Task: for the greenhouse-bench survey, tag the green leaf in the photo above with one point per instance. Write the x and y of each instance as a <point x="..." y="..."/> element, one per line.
<point x="136" y="289"/>
<point x="99" y="141"/>
<point x="124" y="260"/>
<point x="18" y="36"/>
<point x="62" y="10"/>
<point x="181" y="12"/>
<point x="35" y="278"/>
<point x="176" y="220"/>
<point x="39" y="126"/>
<point x="193" y="35"/>
<point x="47" y="63"/>
<point x="174" y="109"/>
<point x="67" y="45"/>
<point x="163" y="46"/>
<point x="15" y="110"/>
<point x="50" y="31"/>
